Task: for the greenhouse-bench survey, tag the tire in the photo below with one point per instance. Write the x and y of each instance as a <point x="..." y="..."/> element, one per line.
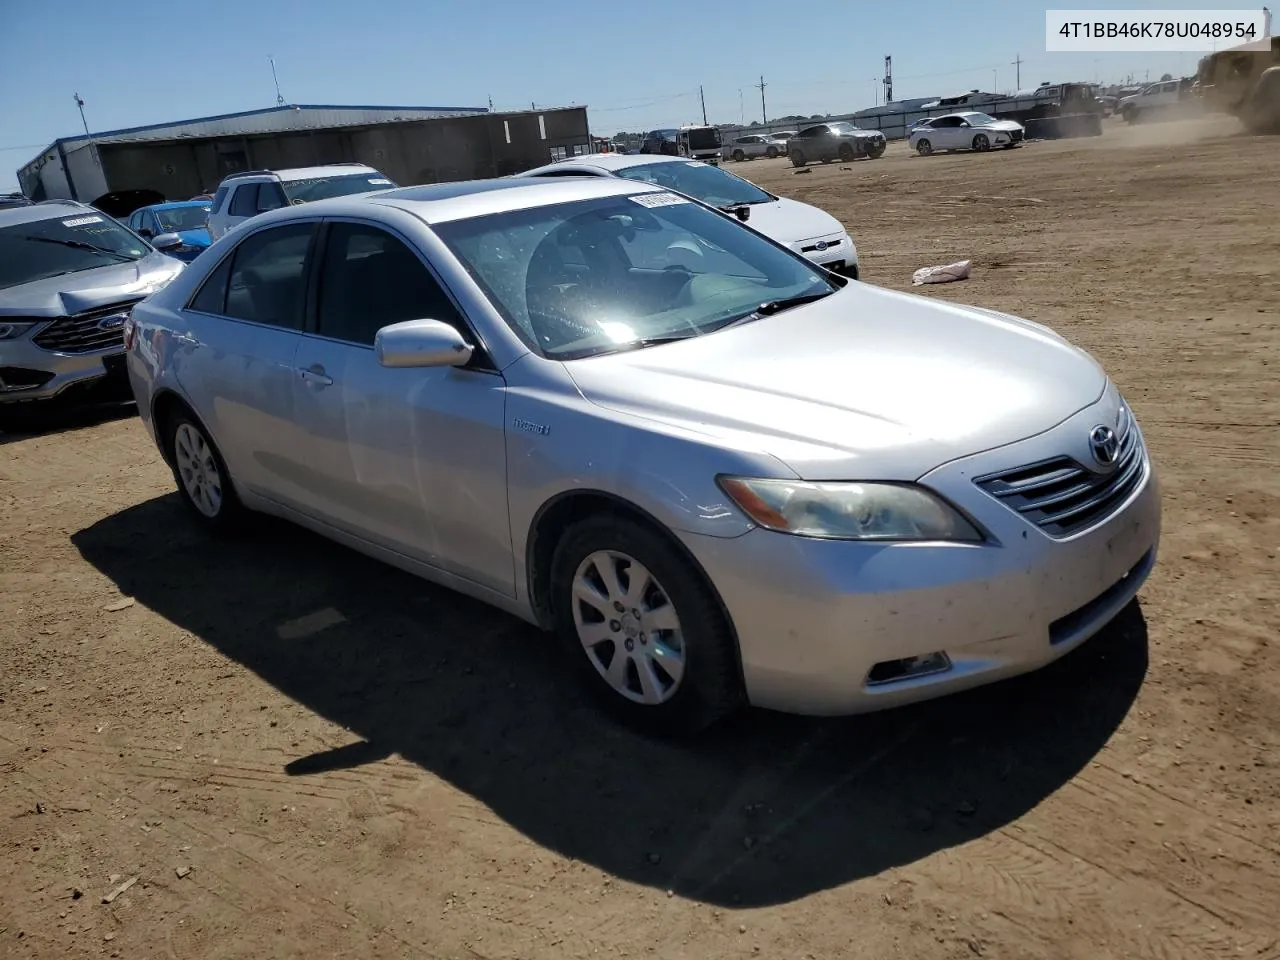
<point x="1129" y="114"/>
<point x="846" y="153"/>
<point x="981" y="143"/>
<point x="201" y="474"/>
<point x="687" y="623"/>
<point x="924" y="147"/>
<point x="878" y="152"/>
<point x="772" y="153"/>
<point x="20" y="417"/>
<point x="739" y="156"/>
<point x="797" y="158"/>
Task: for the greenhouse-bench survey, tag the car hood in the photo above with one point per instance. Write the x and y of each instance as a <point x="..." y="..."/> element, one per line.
<point x="76" y="292"/>
<point x="789" y="221"/>
<point x="1002" y="125"/>
<point x="862" y="135"/>
<point x="867" y="383"/>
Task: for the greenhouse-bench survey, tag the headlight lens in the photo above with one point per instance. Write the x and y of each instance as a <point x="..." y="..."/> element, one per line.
<point x="11" y="331"/>
<point x="849" y="511"/>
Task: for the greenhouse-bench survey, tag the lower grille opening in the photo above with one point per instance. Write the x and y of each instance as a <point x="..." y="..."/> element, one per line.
<point x="1064" y="628"/>
<point x="20" y="378"/>
<point x="906" y="668"/>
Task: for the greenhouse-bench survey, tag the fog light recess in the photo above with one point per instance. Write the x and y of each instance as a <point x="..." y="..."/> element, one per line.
<point x="908" y="668"/>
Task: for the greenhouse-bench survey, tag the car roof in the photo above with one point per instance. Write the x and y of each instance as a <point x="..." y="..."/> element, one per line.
<point x="443" y="202"/>
<point x="304" y="173"/>
<point x="608" y="162"/>
<point x="46" y="211"/>
<point x="176" y="204"/>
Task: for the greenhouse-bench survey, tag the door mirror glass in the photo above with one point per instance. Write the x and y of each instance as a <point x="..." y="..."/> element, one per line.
<point x="421" y="343"/>
<point x="166" y="241"/>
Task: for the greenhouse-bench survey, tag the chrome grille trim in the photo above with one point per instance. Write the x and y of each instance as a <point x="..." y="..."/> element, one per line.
<point x="80" y="333"/>
<point x="1062" y="497"/>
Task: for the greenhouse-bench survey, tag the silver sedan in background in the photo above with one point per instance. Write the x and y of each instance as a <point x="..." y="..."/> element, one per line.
<point x="719" y="473"/>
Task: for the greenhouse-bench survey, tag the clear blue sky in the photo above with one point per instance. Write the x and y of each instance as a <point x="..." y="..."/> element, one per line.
<point x="634" y="64"/>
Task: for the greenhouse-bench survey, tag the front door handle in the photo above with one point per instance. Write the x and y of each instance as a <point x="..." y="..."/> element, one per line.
<point x="315" y="375"/>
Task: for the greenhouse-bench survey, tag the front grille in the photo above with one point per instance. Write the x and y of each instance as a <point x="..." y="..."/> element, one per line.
<point x="81" y="333"/>
<point x="814" y="248"/>
<point x="1015" y="135"/>
<point x="1062" y="497"/>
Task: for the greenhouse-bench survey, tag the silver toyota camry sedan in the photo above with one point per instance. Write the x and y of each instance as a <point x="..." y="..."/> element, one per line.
<point x="720" y="474"/>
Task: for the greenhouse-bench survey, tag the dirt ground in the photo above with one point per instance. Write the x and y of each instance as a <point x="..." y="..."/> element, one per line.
<point x="298" y="752"/>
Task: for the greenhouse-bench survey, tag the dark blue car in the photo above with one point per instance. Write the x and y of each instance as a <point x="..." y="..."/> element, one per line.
<point x="187" y="218"/>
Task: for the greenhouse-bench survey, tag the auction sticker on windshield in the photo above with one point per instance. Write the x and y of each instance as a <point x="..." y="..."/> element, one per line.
<point x="658" y="199"/>
<point x="81" y="221"/>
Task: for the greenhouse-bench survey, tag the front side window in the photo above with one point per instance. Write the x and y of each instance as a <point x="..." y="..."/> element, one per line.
<point x="711" y="185"/>
<point x="597" y="276"/>
<point x="811" y="132"/>
<point x="344" y="185"/>
<point x="68" y="244"/>
<point x="219" y="197"/>
<point x="370" y="279"/>
<point x="244" y="203"/>
<point x="266" y="282"/>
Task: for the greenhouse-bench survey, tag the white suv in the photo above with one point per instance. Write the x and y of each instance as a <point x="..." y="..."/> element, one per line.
<point x="244" y="195"/>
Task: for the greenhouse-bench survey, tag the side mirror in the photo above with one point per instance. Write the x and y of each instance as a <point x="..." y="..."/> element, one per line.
<point x="166" y="241"/>
<point x="421" y="343"/>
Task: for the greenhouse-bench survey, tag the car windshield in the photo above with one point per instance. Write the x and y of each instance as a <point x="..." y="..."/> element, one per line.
<point x="704" y="138"/>
<point x="979" y="118"/>
<point x="177" y="219"/>
<point x="321" y="188"/>
<point x="711" y="185"/>
<point x="50" y="248"/>
<point x="616" y="273"/>
<point x="842" y="126"/>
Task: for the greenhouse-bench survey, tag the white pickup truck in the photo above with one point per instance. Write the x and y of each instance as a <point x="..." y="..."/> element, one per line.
<point x="1159" y="98"/>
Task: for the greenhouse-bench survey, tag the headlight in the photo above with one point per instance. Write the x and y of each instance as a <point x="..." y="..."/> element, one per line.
<point x="11" y="331"/>
<point x="849" y="511"/>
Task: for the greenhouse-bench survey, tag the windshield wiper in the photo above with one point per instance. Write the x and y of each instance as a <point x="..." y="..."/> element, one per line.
<point x="81" y="245"/>
<point x="770" y="307"/>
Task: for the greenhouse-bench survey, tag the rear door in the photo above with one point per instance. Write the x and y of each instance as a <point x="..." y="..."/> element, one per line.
<point x="236" y="360"/>
<point x="410" y="459"/>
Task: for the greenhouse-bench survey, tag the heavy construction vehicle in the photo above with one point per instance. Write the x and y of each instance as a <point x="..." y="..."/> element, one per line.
<point x="1244" y="83"/>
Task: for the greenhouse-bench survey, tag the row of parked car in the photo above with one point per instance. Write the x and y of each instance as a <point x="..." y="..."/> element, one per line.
<point x="636" y="401"/>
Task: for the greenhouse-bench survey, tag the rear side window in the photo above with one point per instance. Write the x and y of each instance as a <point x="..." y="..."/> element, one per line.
<point x="370" y="279"/>
<point x="244" y="203"/>
<point x="212" y="295"/>
<point x="266" y="283"/>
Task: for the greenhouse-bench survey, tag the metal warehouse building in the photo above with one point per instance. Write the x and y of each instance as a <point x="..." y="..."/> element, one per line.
<point x="120" y="170"/>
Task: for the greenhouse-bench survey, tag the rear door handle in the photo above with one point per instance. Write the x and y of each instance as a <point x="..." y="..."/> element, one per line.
<point x="315" y="375"/>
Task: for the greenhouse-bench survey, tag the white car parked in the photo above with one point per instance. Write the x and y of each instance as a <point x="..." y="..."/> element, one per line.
<point x="754" y="145"/>
<point x="807" y="230"/>
<point x="964" y="131"/>
<point x="244" y="195"/>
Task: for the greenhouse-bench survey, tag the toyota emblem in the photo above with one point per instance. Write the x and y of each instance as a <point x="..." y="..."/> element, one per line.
<point x="1105" y="445"/>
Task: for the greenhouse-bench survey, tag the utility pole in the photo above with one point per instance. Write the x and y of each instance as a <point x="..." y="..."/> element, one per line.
<point x="491" y="104"/>
<point x="80" y="104"/>
<point x="276" y="79"/>
<point x="764" y="115"/>
<point x="703" y="98"/>
<point x="1018" y="81"/>
<point x="888" y="80"/>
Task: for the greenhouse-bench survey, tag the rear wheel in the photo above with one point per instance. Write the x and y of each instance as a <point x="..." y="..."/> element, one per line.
<point x="924" y="148"/>
<point x="797" y="159"/>
<point x="201" y="473"/>
<point x="644" y="627"/>
<point x="981" y="143"/>
<point x="771" y="153"/>
<point x="739" y="156"/>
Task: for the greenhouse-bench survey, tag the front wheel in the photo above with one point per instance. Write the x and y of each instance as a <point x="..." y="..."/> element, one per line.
<point x="201" y="473"/>
<point x="924" y="148"/>
<point x="644" y="627"/>
<point x="846" y="153"/>
<point x="981" y="143"/>
<point x="738" y="156"/>
<point x="797" y="159"/>
<point x="771" y="153"/>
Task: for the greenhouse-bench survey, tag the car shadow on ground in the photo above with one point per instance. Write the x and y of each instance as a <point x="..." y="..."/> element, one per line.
<point x="61" y="419"/>
<point x="763" y="810"/>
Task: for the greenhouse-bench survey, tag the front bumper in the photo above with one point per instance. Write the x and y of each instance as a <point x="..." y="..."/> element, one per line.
<point x="29" y="372"/>
<point x="834" y="251"/>
<point x="814" y="618"/>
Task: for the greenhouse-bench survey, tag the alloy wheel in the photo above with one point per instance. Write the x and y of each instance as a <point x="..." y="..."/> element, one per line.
<point x="201" y="478"/>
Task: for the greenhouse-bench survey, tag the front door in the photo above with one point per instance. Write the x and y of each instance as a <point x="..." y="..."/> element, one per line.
<point x="411" y="459"/>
